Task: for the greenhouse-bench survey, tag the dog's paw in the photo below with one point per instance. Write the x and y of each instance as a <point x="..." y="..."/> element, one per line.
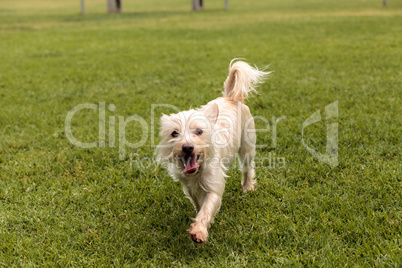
<point x="247" y="188"/>
<point x="198" y="233"/>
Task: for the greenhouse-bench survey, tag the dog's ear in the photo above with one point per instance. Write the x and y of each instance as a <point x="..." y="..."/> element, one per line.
<point x="212" y="112"/>
<point x="164" y="117"/>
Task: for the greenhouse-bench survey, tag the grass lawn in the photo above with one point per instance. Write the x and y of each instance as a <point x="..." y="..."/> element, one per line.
<point x="61" y="205"/>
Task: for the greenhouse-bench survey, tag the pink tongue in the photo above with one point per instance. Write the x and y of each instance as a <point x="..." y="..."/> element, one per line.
<point x="191" y="165"/>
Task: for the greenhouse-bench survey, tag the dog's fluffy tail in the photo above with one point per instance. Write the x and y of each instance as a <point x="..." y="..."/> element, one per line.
<point x="242" y="80"/>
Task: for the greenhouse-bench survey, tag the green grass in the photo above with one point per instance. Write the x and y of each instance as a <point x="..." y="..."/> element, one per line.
<point x="65" y="206"/>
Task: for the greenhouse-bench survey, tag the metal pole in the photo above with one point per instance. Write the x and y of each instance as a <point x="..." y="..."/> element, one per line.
<point x="196" y="5"/>
<point x="226" y="4"/>
<point x="118" y="6"/>
<point x="82" y="7"/>
<point x="110" y="6"/>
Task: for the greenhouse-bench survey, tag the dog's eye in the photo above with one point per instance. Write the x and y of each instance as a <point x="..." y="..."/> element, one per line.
<point x="175" y="134"/>
<point x="198" y="131"/>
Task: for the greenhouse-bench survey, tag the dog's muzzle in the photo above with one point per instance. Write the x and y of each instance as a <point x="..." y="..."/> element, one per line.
<point x="190" y="163"/>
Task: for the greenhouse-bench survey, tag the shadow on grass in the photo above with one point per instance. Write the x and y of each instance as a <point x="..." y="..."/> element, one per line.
<point x="169" y="217"/>
<point x="158" y="222"/>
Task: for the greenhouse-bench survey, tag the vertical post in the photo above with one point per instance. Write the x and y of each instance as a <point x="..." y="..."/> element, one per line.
<point x="114" y="6"/>
<point x="197" y="5"/>
<point x="226" y="5"/>
<point x="110" y="6"/>
<point x="82" y="7"/>
<point x="118" y="6"/>
<point x="384" y="3"/>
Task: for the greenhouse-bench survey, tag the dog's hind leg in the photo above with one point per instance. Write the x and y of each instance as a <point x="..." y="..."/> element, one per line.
<point x="246" y="159"/>
<point x="247" y="155"/>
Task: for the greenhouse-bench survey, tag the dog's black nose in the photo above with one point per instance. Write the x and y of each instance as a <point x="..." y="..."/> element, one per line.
<point x="188" y="148"/>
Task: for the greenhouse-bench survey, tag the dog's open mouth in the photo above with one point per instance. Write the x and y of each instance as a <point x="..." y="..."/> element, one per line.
<point x="190" y="163"/>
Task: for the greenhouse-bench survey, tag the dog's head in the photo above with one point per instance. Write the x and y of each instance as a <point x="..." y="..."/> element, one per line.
<point x="186" y="138"/>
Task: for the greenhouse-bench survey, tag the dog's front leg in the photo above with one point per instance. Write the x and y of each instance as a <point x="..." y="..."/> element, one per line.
<point x="199" y="229"/>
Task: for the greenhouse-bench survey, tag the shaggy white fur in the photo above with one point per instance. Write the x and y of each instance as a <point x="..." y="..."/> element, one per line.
<point x="198" y="146"/>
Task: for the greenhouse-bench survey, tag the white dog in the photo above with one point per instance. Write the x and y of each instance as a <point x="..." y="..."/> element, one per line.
<point x="198" y="146"/>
